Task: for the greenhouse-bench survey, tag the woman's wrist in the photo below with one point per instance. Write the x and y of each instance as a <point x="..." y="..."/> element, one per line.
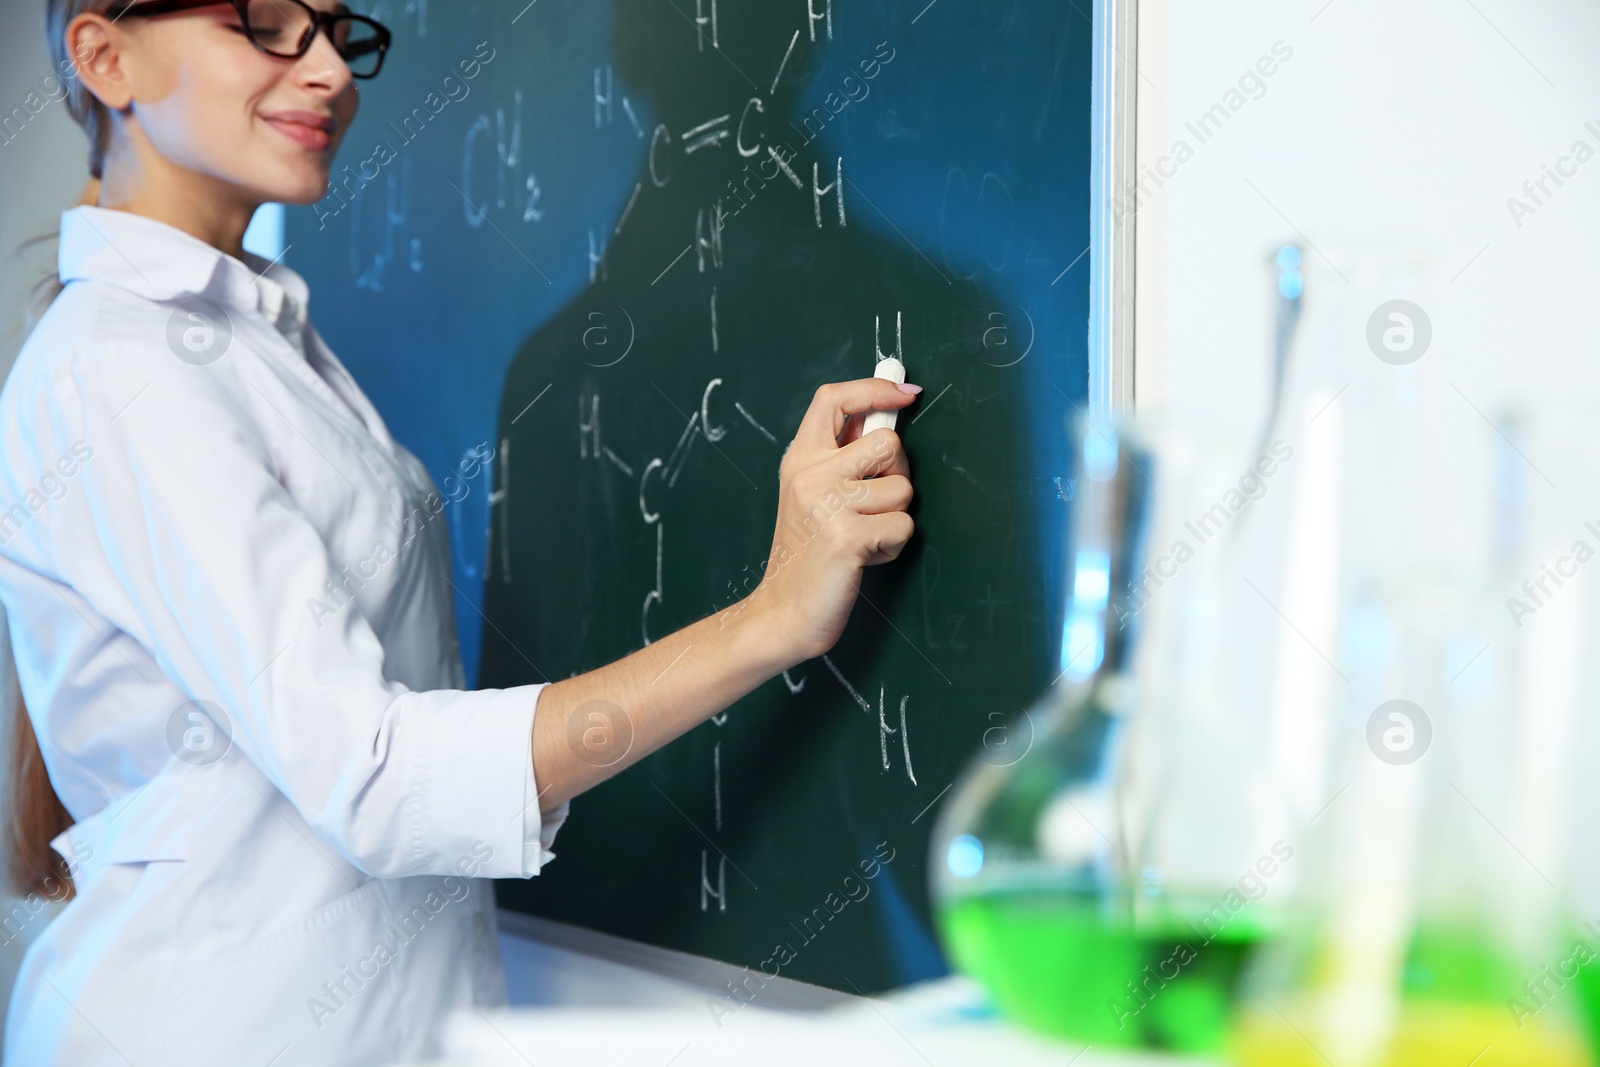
<point x="761" y="636"/>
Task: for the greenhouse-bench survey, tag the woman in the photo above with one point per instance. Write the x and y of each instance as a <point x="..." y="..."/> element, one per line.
<point x="275" y="796"/>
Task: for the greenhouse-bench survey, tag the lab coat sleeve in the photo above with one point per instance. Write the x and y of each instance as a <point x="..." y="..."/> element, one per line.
<point x="539" y="831"/>
<point x="180" y="532"/>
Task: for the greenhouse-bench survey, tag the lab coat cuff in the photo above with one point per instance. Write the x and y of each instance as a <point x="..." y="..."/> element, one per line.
<point x="538" y="829"/>
<point x="480" y="791"/>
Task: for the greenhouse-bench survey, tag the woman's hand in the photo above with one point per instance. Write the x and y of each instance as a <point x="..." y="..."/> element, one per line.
<point x="842" y="502"/>
<point x="841" y="507"/>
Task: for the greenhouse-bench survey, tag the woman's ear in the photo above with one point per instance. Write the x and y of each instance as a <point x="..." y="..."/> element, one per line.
<point x="97" y="45"/>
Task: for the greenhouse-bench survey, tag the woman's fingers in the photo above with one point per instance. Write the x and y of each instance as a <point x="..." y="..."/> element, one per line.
<point x="841" y="506"/>
<point x="835" y="402"/>
<point x="879" y="452"/>
<point x="890" y="492"/>
<point x="886" y="535"/>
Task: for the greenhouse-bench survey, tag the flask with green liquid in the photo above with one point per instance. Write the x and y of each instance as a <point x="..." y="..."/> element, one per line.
<point x="1090" y="885"/>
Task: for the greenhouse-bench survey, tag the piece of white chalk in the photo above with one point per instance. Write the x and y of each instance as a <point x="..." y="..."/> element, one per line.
<point x="894" y="371"/>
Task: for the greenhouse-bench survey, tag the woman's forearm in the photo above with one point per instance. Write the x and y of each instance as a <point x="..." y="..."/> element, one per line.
<point x="593" y="725"/>
<point x="841" y="508"/>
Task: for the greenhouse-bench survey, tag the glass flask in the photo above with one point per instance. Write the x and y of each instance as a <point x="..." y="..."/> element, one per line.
<point x="1448" y="912"/>
<point x="1105" y="885"/>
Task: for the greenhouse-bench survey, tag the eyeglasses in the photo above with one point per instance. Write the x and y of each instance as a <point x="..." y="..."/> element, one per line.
<point x="286" y="28"/>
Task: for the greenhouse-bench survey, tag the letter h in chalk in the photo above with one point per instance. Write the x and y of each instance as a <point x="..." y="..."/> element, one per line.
<point x="818" y="190"/>
<point x="891" y="367"/>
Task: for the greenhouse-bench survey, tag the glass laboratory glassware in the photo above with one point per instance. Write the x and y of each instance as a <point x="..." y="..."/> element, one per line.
<point x="1101" y="885"/>
<point x="1438" y="928"/>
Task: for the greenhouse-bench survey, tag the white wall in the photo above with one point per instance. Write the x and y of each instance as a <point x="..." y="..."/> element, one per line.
<point x="1391" y="140"/>
<point x="42" y="171"/>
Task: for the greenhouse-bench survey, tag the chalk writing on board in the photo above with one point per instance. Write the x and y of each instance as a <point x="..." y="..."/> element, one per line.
<point x="877" y="344"/>
<point x="825" y="16"/>
<point x="589" y="428"/>
<point x="860" y="700"/>
<point x="680" y="451"/>
<point x="713" y="434"/>
<point x="408" y="9"/>
<point x="655" y="596"/>
<point x="515" y="191"/>
<point x="720" y="892"/>
<point x="708" y="134"/>
<point x="603" y="112"/>
<point x="819" y="191"/>
<point x="627" y="107"/>
<point x="783" y="63"/>
<point x="885" y="731"/>
<point x="783" y="165"/>
<point x="714" y="322"/>
<point x="395" y="243"/>
<point x="947" y="635"/>
<point x="626" y="211"/>
<point x="659" y="174"/>
<point x="751" y="419"/>
<point x="705" y="23"/>
<point x="708" y="235"/>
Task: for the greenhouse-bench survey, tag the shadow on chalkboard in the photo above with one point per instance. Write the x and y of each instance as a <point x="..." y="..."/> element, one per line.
<point x="643" y="425"/>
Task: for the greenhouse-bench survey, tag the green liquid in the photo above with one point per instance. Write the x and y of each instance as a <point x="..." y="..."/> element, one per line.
<point x="1458" y="964"/>
<point x="1586" y="983"/>
<point x="1456" y="991"/>
<point x="1085" y="967"/>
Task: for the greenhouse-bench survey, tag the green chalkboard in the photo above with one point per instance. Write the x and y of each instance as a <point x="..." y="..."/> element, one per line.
<point x="713" y="208"/>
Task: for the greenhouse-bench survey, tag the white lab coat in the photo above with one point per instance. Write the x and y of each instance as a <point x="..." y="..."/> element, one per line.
<point x="304" y="882"/>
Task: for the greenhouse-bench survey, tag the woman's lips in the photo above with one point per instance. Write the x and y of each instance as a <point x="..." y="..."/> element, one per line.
<point x="306" y="128"/>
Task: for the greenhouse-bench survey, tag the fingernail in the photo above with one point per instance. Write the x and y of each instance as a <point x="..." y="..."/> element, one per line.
<point x="907" y="387"/>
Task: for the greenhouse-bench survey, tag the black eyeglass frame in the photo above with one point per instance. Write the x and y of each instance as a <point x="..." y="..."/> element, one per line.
<point x="320" y="20"/>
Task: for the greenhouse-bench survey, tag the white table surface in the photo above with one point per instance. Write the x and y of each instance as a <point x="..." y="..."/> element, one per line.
<point x="579" y="997"/>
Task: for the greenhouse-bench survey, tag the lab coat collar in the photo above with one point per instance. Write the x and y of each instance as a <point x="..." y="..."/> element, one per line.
<point x="161" y="262"/>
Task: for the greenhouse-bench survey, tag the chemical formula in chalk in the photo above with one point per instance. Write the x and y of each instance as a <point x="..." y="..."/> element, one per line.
<point x="370" y="261"/>
<point x="498" y="182"/>
<point x="885" y="731"/>
<point x="893" y="369"/>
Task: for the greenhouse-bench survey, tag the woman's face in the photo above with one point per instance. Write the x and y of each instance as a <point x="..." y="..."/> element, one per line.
<point x="209" y="101"/>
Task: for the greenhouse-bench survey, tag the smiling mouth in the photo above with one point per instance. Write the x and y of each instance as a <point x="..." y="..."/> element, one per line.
<point x="307" y="130"/>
